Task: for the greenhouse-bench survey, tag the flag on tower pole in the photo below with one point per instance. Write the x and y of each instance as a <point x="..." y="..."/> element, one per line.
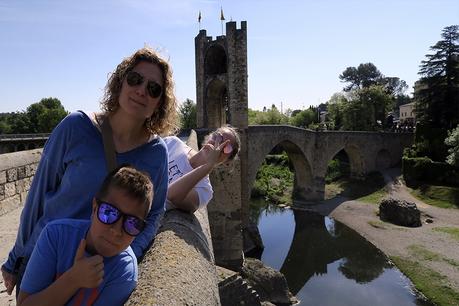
<point x="199" y="20"/>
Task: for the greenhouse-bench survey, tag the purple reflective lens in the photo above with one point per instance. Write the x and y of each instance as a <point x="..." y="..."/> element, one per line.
<point x="109" y="214"/>
<point x="133" y="226"/>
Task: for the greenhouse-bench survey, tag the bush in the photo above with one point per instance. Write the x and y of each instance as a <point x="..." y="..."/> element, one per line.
<point x="420" y="170"/>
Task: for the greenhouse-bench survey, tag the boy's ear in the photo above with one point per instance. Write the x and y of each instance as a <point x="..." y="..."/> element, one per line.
<point x="94" y="205"/>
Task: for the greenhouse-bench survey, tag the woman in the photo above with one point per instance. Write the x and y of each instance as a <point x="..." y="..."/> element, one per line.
<point x="139" y="104"/>
<point x="189" y="185"/>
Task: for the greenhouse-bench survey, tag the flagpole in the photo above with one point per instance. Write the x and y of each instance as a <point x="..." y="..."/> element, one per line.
<point x="222" y="17"/>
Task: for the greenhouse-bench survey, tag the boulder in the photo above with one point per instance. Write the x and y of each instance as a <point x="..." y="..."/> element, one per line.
<point x="400" y="212"/>
<point x="269" y="283"/>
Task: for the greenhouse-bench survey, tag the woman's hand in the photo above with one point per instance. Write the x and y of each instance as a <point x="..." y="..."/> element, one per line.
<point x="87" y="272"/>
<point x="9" y="280"/>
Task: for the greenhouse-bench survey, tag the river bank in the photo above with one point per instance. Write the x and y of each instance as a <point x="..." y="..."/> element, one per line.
<point x="428" y="255"/>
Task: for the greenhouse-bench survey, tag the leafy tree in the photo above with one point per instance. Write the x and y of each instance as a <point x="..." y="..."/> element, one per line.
<point x="453" y="141"/>
<point x="364" y="75"/>
<point x="187" y="111"/>
<point x="267" y="116"/>
<point x="19" y="123"/>
<point x="437" y="92"/>
<point x="366" y="109"/>
<point x="45" y="115"/>
<point x="335" y="109"/>
<point x="304" y="118"/>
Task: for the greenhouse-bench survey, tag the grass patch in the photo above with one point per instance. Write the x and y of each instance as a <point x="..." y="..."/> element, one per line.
<point x="440" y="196"/>
<point x="431" y="283"/>
<point x="421" y="252"/>
<point x="452" y="231"/>
<point x="377" y="224"/>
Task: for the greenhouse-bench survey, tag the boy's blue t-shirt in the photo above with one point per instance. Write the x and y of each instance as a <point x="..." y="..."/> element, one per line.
<point x="54" y="254"/>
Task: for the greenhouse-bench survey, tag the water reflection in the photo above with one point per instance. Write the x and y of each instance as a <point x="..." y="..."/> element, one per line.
<point x="327" y="263"/>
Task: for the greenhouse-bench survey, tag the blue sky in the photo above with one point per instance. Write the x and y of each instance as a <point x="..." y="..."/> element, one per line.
<point x="296" y="49"/>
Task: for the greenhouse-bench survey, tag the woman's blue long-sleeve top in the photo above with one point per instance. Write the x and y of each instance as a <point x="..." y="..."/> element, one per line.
<point x="71" y="170"/>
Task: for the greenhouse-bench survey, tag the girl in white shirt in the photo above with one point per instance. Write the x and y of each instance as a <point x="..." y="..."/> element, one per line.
<point x="189" y="185"/>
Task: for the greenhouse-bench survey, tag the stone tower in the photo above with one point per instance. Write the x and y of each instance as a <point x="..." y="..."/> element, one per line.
<point x="221" y="94"/>
<point x="221" y="78"/>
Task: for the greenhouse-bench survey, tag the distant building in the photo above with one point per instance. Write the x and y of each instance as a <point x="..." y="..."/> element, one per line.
<point x="407" y="114"/>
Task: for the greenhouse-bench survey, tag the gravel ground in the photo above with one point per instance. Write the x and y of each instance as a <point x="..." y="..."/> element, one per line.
<point x="396" y="240"/>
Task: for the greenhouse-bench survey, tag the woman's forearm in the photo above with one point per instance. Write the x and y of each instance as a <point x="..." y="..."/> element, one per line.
<point x="58" y="293"/>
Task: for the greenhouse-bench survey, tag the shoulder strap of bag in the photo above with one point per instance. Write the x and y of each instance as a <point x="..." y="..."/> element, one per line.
<point x="109" y="146"/>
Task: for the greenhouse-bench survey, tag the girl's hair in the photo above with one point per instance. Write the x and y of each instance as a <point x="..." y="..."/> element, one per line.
<point x="164" y="119"/>
<point x="229" y="129"/>
<point x="135" y="183"/>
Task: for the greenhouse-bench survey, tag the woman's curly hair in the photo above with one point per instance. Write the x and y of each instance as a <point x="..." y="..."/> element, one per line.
<point x="164" y="120"/>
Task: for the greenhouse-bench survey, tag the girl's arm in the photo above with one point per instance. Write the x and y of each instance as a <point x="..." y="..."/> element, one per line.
<point x="181" y="192"/>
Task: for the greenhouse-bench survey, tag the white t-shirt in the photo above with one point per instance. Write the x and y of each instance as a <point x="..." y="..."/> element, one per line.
<point x="179" y="165"/>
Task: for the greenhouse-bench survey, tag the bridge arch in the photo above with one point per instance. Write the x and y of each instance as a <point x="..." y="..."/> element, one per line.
<point x="217" y="106"/>
<point x="356" y="160"/>
<point x="303" y="179"/>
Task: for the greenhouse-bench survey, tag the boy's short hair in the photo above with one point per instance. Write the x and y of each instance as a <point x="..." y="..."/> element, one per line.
<point x="135" y="183"/>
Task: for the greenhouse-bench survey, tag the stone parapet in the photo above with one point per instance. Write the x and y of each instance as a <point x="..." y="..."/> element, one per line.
<point x="179" y="268"/>
<point x="16" y="172"/>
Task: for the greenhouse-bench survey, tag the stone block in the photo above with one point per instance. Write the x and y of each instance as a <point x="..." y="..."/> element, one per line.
<point x="21" y="172"/>
<point x="11" y="174"/>
<point x="10" y="189"/>
<point x="2" y="192"/>
<point x="23" y="197"/>
<point x="22" y="185"/>
<point x="2" y="177"/>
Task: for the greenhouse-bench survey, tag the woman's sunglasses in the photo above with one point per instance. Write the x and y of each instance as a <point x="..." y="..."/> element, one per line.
<point x="109" y="214"/>
<point x="134" y="79"/>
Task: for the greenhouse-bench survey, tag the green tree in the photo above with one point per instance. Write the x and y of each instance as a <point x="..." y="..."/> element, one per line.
<point x="453" y="142"/>
<point x="187" y="111"/>
<point x="437" y="92"/>
<point x="44" y="115"/>
<point x="362" y="76"/>
<point x="366" y="109"/>
<point x="304" y="118"/>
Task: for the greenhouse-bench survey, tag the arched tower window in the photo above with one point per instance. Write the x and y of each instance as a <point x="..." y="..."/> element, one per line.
<point x="215" y="61"/>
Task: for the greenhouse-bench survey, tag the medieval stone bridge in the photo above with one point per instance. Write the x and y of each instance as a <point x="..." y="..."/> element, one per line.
<point x="310" y="153"/>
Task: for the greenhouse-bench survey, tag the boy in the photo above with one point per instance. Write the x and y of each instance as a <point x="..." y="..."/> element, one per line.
<point x="86" y="262"/>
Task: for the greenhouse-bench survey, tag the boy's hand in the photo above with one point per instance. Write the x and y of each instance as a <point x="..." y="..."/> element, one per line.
<point x="87" y="272"/>
<point x="9" y="281"/>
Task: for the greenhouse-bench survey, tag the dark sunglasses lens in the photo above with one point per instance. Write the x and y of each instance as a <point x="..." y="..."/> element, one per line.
<point x="133" y="78"/>
<point x="107" y="213"/>
<point x="133" y="226"/>
<point x="154" y="89"/>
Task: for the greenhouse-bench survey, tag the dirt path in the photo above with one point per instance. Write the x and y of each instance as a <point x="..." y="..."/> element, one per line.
<point x="9" y="224"/>
<point x="409" y="243"/>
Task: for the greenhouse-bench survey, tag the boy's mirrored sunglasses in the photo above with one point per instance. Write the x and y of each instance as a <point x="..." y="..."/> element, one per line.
<point x="109" y="214"/>
<point x="134" y="79"/>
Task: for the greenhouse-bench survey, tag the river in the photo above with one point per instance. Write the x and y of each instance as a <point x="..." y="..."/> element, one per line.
<point x="327" y="263"/>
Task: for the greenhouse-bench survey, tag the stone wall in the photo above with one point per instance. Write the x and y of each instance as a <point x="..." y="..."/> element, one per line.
<point x="16" y="173"/>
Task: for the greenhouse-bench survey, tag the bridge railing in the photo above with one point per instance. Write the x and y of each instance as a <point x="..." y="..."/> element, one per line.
<point x="4" y="137"/>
